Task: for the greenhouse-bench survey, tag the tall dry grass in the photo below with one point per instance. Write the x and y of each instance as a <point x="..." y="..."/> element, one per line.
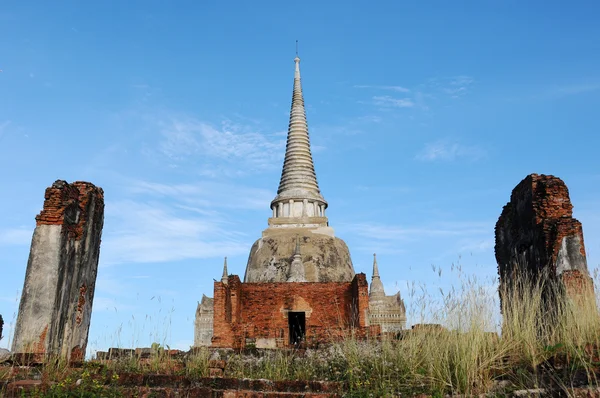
<point x="543" y="339"/>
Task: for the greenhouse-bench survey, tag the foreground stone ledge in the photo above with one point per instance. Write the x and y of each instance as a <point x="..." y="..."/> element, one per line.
<point x="140" y="385"/>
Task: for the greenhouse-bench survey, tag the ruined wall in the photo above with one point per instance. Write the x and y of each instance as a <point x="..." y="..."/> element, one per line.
<point x="203" y="324"/>
<point x="536" y="233"/>
<point x="56" y="302"/>
<point x="388" y="312"/>
<point x="257" y="313"/>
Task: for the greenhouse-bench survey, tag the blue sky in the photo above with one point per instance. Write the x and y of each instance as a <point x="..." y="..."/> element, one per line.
<point x="423" y="117"/>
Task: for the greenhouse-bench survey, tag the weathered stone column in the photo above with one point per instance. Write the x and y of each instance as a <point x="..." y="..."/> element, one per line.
<point x="536" y="235"/>
<point x="56" y="302"/>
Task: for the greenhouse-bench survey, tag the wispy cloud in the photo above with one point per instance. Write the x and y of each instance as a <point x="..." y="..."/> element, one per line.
<point x="207" y="194"/>
<point x="151" y="232"/>
<point x="15" y="236"/>
<point x="561" y="91"/>
<point x="391" y="102"/>
<point x="476" y="245"/>
<point x="396" y="239"/>
<point x="231" y="143"/>
<point x="385" y="232"/>
<point x="398" y="89"/>
<point x="444" y="150"/>
<point x="455" y="86"/>
<point x="421" y="96"/>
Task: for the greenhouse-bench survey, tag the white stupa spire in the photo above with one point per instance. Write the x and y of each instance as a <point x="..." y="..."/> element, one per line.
<point x="298" y="195"/>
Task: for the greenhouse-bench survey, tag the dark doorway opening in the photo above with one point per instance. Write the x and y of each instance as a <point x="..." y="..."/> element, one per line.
<point x="297" y="323"/>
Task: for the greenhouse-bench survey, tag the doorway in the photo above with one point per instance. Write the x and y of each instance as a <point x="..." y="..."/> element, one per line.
<point x="297" y="324"/>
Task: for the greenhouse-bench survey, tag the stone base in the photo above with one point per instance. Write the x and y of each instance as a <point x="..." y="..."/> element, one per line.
<point x="325" y="258"/>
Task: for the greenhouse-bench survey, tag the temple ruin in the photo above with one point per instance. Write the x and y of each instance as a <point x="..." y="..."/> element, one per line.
<point x="299" y="285"/>
<point x="56" y="302"/>
<point x="388" y="312"/>
<point x="536" y="235"/>
<point x="203" y="324"/>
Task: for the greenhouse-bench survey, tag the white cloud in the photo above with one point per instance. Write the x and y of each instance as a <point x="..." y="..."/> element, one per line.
<point x="455" y="87"/>
<point x="398" y="89"/>
<point x="398" y="232"/>
<point x="139" y="232"/>
<point x="15" y="236"/>
<point x="569" y="89"/>
<point x="476" y="245"/>
<point x="231" y="144"/>
<point x="387" y="101"/>
<point x="448" y="151"/>
<point x="207" y="194"/>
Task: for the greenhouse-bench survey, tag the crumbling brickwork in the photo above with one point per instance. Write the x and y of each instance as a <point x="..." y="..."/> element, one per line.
<point x="258" y="313"/>
<point x="56" y="302"/>
<point x="537" y="234"/>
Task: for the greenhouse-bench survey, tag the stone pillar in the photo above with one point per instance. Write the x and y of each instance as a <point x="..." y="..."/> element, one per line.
<point x="536" y="235"/>
<point x="56" y="302"/>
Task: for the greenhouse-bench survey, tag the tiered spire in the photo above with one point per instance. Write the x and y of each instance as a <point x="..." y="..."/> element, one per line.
<point x="298" y="178"/>
<point x="376" y="284"/>
<point x="225" y="277"/>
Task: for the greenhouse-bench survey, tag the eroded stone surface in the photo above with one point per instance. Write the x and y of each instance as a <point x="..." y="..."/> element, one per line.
<point x="203" y="324"/>
<point x="325" y="258"/>
<point x="56" y="302"/>
<point x="536" y="233"/>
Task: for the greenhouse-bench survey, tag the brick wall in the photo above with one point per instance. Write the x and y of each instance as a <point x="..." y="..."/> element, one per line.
<point x="259" y="311"/>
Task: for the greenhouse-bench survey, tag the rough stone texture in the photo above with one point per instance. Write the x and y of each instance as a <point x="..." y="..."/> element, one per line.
<point x="248" y="312"/>
<point x="537" y="234"/>
<point x="56" y="303"/>
<point x="4" y="355"/>
<point x="1" y="327"/>
<point x="325" y="258"/>
<point x="388" y="312"/>
<point x="203" y="325"/>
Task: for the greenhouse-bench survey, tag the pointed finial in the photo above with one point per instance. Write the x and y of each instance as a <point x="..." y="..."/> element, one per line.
<point x="376" y="284"/>
<point x="297" y="59"/>
<point x="225" y="277"/>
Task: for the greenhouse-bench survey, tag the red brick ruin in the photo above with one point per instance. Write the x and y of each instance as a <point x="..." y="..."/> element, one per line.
<point x="56" y="302"/>
<point x="265" y="315"/>
<point x="537" y="235"/>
